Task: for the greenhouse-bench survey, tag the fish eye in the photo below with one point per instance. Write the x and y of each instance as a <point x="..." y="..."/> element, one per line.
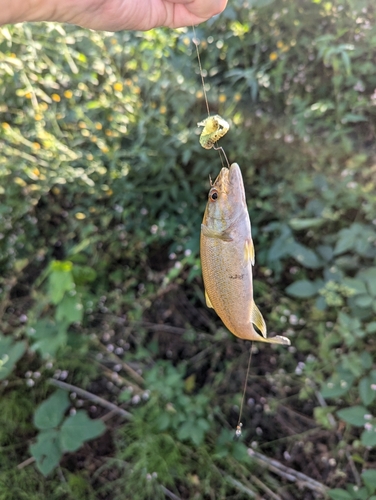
<point x="213" y="195"/>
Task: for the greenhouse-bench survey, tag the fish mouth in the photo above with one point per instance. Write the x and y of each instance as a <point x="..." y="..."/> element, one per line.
<point x="235" y="175"/>
<point x="230" y="182"/>
<point x="236" y="184"/>
<point x="222" y="180"/>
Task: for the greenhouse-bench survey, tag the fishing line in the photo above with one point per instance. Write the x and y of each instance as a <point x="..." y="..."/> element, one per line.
<point x="238" y="431"/>
<point x="196" y="41"/>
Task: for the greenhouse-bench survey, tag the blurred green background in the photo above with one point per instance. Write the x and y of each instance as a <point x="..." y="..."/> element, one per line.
<point x="102" y="191"/>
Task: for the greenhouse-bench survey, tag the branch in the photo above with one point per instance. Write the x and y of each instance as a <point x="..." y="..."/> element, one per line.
<point x="288" y="473"/>
<point x="263" y="486"/>
<point x="240" y="486"/>
<point x="169" y="493"/>
<point x="91" y="397"/>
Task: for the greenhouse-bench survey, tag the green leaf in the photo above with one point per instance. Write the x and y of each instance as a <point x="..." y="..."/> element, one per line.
<point x="10" y="353"/>
<point x="69" y="309"/>
<point x="302" y="289"/>
<point x="203" y="424"/>
<point x="367" y="394"/>
<point x="163" y="421"/>
<point x="197" y="435"/>
<point x="60" y="280"/>
<point x="363" y="301"/>
<point x="83" y="274"/>
<point x="353" y="118"/>
<point x="240" y="452"/>
<point x="323" y="416"/>
<point x="47" y="451"/>
<point x="371" y="327"/>
<point x="369" y="478"/>
<point x="354" y="415"/>
<point x="79" y="428"/>
<point x="185" y="430"/>
<point x="50" y="413"/>
<point x="368" y="437"/>
<point x="338" y="494"/>
<point x="299" y="224"/>
<point x="338" y="384"/>
<point x="358" y="493"/>
<point x="346" y="240"/>
<point x="369" y="276"/>
<point x="48" y="337"/>
<point x="356" y="285"/>
<point x="125" y="396"/>
<point x="282" y="245"/>
<point x="305" y="256"/>
<point x="366" y="360"/>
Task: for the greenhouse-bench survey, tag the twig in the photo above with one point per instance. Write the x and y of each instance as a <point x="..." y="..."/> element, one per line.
<point x="108" y="415"/>
<point x="174" y="330"/>
<point x="240" y="486"/>
<point x="263" y="486"/>
<point x="91" y="397"/>
<point x="114" y="377"/>
<point x="25" y="463"/>
<point x="288" y="473"/>
<point x="323" y="404"/>
<point x="169" y="493"/>
<point x="354" y="469"/>
<point x="123" y="364"/>
<point x="129" y="370"/>
<point x="61" y="474"/>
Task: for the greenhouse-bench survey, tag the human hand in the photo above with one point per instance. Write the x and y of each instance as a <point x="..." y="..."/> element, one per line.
<point x="113" y="15"/>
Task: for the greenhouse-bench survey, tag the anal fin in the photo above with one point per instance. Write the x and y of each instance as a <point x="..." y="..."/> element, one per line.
<point x="208" y="303"/>
<point x="258" y="320"/>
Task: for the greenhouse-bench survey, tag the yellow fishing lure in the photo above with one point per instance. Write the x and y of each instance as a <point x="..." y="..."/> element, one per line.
<point x="215" y="127"/>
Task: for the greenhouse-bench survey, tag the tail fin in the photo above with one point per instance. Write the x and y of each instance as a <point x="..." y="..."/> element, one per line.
<point x="258" y="320"/>
<point x="249" y="333"/>
<point x="278" y="339"/>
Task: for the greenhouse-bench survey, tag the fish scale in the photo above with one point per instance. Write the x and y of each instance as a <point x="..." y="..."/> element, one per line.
<point x="227" y="257"/>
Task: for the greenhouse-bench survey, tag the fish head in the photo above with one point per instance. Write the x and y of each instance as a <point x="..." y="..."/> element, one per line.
<point x="226" y="197"/>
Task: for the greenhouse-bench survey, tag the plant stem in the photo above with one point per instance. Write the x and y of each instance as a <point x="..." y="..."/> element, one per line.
<point x="288" y="473"/>
<point x="91" y="397"/>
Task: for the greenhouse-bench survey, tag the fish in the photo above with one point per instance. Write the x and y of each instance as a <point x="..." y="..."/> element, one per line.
<point x="227" y="256"/>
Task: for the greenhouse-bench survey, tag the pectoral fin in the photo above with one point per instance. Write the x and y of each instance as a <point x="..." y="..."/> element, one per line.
<point x="258" y="320"/>
<point x="208" y="303"/>
<point x="249" y="252"/>
<point x="210" y="233"/>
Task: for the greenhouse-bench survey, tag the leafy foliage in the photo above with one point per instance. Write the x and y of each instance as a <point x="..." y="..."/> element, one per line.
<point x="102" y="188"/>
<point x="57" y="436"/>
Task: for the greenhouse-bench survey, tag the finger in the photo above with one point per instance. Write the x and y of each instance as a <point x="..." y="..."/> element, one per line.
<point x="188" y="12"/>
